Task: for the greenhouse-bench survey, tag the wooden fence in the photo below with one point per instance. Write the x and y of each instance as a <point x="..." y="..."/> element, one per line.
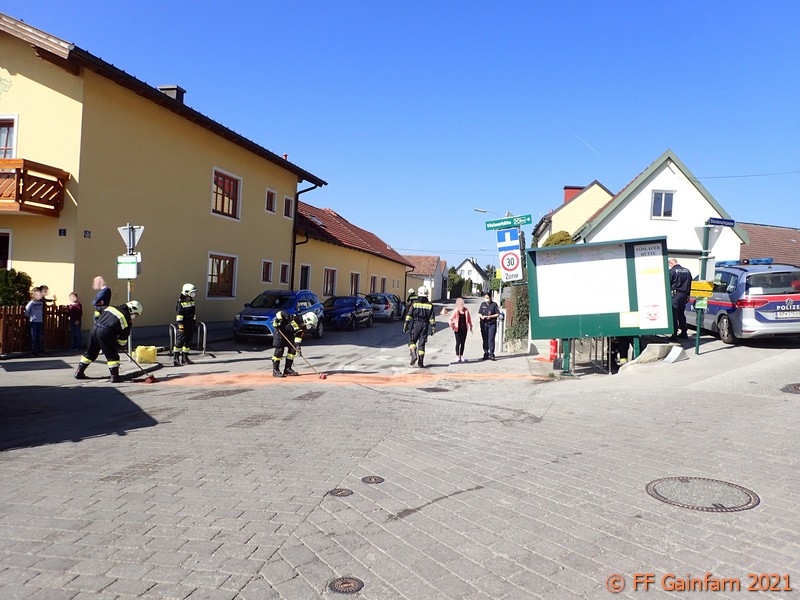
<point x="15" y="335"/>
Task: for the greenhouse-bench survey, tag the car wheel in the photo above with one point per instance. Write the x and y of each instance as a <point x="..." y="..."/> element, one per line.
<point x="319" y="331"/>
<point x="726" y="330"/>
<point x="353" y="323"/>
<point x="369" y="321"/>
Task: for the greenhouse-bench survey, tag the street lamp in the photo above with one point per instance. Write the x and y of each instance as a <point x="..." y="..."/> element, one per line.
<point x="483" y="210"/>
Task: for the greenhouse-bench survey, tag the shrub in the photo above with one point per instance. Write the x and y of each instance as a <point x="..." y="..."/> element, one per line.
<point x="559" y="238"/>
<point x="15" y="287"/>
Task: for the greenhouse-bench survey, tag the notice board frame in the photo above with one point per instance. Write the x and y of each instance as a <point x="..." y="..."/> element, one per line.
<point x="607" y="299"/>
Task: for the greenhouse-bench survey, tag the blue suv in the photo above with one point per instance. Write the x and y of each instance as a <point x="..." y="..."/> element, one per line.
<point x="752" y="300"/>
<point x="255" y="321"/>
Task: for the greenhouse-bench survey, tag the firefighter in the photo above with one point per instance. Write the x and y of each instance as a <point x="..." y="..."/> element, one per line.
<point x="109" y="334"/>
<point x="419" y="323"/>
<point x="185" y="320"/>
<point x="288" y="333"/>
<point x="412" y="295"/>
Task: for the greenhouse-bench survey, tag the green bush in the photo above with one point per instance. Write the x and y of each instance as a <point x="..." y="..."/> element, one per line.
<point x="15" y="287"/>
<point x="518" y="330"/>
<point x="559" y="238"/>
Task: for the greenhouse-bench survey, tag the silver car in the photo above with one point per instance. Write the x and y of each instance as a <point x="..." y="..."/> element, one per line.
<point x="384" y="306"/>
<point x="753" y="300"/>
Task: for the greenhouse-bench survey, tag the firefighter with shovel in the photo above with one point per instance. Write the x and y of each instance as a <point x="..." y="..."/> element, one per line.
<point x="108" y="335"/>
<point x="289" y="330"/>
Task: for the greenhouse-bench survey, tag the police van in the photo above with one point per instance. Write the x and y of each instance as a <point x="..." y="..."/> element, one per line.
<point x="751" y="299"/>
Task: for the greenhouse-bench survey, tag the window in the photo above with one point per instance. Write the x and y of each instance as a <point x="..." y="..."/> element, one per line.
<point x="221" y="275"/>
<point x="272" y="199"/>
<point x="266" y="271"/>
<point x="383" y="285"/>
<point x="6" y="138"/>
<point x="287" y="207"/>
<point x="305" y="277"/>
<point x="662" y="204"/>
<point x="284" y="272"/>
<point x="373" y="284"/>
<point x="226" y="195"/>
<point x="329" y="282"/>
<point x="355" y="281"/>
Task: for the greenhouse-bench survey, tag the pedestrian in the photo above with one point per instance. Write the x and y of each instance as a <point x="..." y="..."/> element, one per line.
<point x="460" y="323"/>
<point x="185" y="321"/>
<point x="45" y="302"/>
<point x="109" y="334"/>
<point x="680" y="282"/>
<point x="488" y="313"/>
<point x="103" y="298"/>
<point x="34" y="311"/>
<point x="420" y="322"/>
<point x="289" y="329"/>
<point x="75" y="313"/>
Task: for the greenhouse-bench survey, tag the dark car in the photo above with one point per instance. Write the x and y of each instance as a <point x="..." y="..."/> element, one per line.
<point x="751" y="300"/>
<point x="347" y="312"/>
<point x="385" y="306"/>
<point x="255" y="321"/>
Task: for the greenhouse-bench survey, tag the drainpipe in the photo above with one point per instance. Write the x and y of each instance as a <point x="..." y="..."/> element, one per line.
<point x="294" y="234"/>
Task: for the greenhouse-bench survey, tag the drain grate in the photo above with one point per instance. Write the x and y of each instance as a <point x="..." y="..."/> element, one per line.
<point x="346" y="585"/>
<point x="433" y="389"/>
<point x="792" y="388"/>
<point x="372" y="479"/>
<point x="340" y="492"/>
<point x="699" y="493"/>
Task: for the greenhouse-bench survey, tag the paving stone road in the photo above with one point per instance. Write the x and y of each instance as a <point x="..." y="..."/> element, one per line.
<point x="213" y="482"/>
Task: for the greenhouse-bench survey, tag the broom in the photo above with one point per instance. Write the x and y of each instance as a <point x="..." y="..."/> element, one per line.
<point x="321" y="375"/>
<point x="149" y="377"/>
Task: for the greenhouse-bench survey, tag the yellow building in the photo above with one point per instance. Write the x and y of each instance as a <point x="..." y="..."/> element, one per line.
<point x="336" y="258"/>
<point x="580" y="204"/>
<point x="86" y="148"/>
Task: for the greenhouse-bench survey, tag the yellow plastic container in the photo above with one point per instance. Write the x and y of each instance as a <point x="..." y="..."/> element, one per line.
<point x="145" y="354"/>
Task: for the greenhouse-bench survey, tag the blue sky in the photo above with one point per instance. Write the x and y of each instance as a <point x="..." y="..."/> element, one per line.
<point x="417" y="112"/>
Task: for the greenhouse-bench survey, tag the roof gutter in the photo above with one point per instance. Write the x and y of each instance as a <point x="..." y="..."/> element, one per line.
<point x="295" y="244"/>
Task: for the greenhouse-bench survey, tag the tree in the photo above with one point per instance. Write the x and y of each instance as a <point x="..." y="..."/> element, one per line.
<point x="15" y="287"/>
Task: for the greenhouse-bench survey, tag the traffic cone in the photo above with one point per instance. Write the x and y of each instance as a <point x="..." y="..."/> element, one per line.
<point x="553" y="349"/>
<point x="444" y="311"/>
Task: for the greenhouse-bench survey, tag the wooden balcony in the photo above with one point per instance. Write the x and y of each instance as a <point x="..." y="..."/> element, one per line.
<point x="30" y="187"/>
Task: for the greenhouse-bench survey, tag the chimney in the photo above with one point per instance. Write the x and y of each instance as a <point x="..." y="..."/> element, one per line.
<point x="175" y="92"/>
<point x="570" y="191"/>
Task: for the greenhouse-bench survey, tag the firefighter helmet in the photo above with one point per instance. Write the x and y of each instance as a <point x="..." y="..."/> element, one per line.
<point x="422" y="291"/>
<point x="189" y="289"/>
<point x="311" y="320"/>
<point x="135" y="307"/>
<point x="410" y="290"/>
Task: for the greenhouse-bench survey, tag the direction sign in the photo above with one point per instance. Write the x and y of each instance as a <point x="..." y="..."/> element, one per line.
<point x="701" y="289"/>
<point x="509" y="222"/>
<point x="722" y="222"/>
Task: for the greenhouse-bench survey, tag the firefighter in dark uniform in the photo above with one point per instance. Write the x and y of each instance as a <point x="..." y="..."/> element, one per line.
<point x="289" y="331"/>
<point x="109" y="334"/>
<point x="680" y="282"/>
<point x="420" y="322"/>
<point x="412" y="295"/>
<point x="185" y="320"/>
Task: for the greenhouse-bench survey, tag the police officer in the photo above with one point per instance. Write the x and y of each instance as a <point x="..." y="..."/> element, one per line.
<point x="680" y="281"/>
<point x="288" y="333"/>
<point x="488" y="313"/>
<point x="109" y="334"/>
<point x="420" y="322"/>
<point x="185" y="320"/>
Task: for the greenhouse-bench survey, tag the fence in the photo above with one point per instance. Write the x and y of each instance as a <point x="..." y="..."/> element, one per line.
<point x="15" y="335"/>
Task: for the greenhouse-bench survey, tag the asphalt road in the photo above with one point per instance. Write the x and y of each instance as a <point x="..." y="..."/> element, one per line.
<point x="498" y="481"/>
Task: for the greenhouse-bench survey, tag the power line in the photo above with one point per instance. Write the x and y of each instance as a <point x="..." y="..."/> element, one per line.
<point x="753" y="175"/>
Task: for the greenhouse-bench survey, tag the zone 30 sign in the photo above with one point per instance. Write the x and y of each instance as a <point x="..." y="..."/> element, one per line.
<point x="510" y="259"/>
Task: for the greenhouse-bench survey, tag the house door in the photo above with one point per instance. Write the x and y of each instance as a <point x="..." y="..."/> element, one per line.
<point x="305" y="277"/>
<point x="5" y="249"/>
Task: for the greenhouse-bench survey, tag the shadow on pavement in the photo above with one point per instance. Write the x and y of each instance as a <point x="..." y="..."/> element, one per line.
<point x="39" y="415"/>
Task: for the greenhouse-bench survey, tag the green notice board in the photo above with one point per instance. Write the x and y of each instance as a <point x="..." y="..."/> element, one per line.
<point x="600" y="289"/>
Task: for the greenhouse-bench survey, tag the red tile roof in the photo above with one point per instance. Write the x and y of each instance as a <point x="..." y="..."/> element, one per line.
<point x="328" y="226"/>
<point x="782" y="244"/>
<point x="423" y="265"/>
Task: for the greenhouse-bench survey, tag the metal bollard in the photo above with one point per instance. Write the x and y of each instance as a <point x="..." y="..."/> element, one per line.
<point x="202" y="337"/>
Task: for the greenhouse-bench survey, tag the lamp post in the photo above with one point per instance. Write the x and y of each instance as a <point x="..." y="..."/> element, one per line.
<point x="483" y="210"/>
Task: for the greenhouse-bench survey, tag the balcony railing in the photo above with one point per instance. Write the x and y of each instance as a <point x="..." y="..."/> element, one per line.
<point x="31" y="187"/>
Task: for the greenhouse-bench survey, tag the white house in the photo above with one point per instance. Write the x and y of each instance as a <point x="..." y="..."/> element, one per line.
<point x="469" y="269"/>
<point x="428" y="271"/>
<point x="666" y="199"/>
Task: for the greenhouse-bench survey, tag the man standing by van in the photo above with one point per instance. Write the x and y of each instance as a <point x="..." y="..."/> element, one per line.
<point x="680" y="281"/>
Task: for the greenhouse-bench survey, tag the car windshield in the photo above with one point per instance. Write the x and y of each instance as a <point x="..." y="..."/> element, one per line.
<point x="765" y="284"/>
<point x="272" y="300"/>
<point x="334" y="302"/>
<point x="374" y="299"/>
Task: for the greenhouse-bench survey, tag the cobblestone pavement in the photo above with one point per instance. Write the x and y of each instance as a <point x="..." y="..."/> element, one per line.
<point x="497" y="484"/>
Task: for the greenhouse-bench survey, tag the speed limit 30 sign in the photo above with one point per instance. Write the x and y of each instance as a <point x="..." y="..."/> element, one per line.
<point x="510" y="259"/>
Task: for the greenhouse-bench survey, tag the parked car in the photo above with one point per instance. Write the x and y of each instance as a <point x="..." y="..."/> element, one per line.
<point x="753" y="300"/>
<point x="385" y="306"/>
<point x="401" y="306"/>
<point x="347" y="312"/>
<point x="255" y="321"/>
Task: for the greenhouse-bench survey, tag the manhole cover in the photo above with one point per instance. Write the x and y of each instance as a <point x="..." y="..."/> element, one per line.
<point x="372" y="479"/>
<point x="792" y="388"/>
<point x="698" y="493"/>
<point x="340" y="492"/>
<point x="433" y="389"/>
<point x="346" y="585"/>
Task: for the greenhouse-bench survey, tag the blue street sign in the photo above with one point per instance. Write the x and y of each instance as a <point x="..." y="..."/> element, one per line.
<point x="508" y="239"/>
<point x="722" y="222"/>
